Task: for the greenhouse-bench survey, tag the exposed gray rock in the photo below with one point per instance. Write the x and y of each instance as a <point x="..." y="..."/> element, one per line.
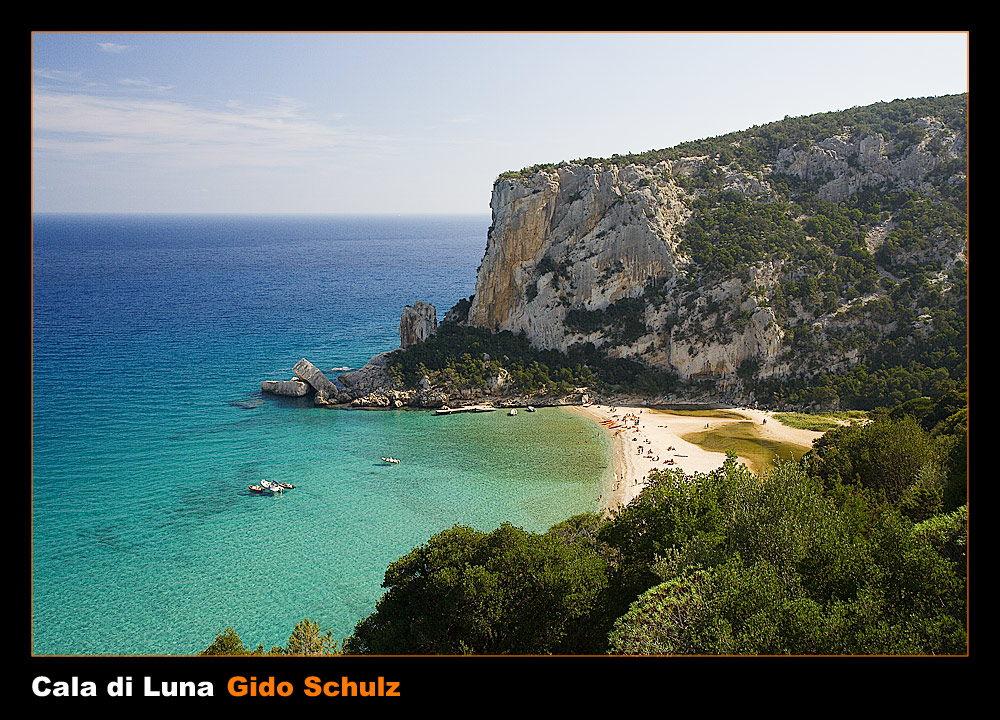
<point x="417" y="323"/>
<point x="307" y="372"/>
<point x="848" y="167"/>
<point x="288" y="388"/>
<point x="385" y="399"/>
<point x="373" y="376"/>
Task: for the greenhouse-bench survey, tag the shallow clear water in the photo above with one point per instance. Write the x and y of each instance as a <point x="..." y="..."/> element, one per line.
<point x="151" y="335"/>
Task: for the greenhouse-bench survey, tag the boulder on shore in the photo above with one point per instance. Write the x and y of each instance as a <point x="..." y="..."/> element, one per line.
<point x="307" y="372"/>
<point x="373" y="376"/>
<point x="288" y="388"/>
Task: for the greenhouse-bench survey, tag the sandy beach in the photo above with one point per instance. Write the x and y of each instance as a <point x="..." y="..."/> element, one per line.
<point x="645" y="440"/>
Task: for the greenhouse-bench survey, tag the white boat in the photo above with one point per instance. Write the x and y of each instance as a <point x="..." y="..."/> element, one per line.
<point x="531" y="408"/>
<point x="272" y="486"/>
<point x="390" y="460"/>
<point x="513" y="411"/>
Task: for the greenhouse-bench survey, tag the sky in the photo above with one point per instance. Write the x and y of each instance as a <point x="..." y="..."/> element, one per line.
<point x="402" y="123"/>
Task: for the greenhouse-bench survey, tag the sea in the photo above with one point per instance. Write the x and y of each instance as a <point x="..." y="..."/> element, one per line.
<point x="150" y="337"/>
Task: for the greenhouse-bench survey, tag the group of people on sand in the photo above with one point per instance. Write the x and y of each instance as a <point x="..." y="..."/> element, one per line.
<point x="649" y="454"/>
<point x="630" y="418"/>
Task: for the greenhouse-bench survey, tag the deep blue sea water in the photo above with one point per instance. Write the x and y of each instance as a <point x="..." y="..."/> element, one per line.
<point x="150" y="337"/>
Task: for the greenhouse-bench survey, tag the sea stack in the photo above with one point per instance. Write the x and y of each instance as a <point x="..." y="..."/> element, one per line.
<point x="418" y="322"/>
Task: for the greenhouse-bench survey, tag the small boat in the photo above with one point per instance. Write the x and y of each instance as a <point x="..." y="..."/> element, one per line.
<point x="513" y="411"/>
<point x="272" y="486"/>
<point x="392" y="460"/>
<point x="287" y="486"/>
<point x="256" y="488"/>
<point x="531" y="408"/>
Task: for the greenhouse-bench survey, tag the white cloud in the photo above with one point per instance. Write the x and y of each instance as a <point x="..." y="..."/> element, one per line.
<point x="62" y="76"/>
<point x="110" y="47"/>
<point x="180" y="135"/>
<point x="144" y="84"/>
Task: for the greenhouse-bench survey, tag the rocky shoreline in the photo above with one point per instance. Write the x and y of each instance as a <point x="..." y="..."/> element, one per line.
<point x="373" y="386"/>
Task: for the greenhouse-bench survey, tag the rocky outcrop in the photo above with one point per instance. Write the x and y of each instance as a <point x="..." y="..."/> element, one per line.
<point x="372" y="377"/>
<point x="592" y="253"/>
<point x="307" y="372"/>
<point x="418" y="322"/>
<point x="308" y="379"/>
<point x="845" y="166"/>
<point x="288" y="388"/>
<point x="585" y="237"/>
<point x="576" y="238"/>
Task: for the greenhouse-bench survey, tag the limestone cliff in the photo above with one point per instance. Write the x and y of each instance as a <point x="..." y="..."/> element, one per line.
<point x="582" y="251"/>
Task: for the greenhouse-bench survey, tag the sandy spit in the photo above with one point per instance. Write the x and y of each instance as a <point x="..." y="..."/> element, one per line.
<point x="645" y="440"/>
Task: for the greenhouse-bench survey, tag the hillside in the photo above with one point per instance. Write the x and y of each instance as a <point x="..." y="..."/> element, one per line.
<point x="817" y="260"/>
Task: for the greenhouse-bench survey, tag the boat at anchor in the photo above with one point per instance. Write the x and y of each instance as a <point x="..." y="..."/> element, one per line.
<point x="269" y="487"/>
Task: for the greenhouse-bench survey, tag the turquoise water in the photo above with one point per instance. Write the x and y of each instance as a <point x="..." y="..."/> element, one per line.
<point x="150" y="338"/>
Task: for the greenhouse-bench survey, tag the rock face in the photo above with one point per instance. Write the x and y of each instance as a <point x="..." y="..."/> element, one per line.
<point x="570" y="240"/>
<point x="370" y="378"/>
<point x="630" y="255"/>
<point x="845" y="167"/>
<point x="586" y="237"/>
<point x="578" y="236"/>
<point x="288" y="388"/>
<point x="418" y="322"/>
<point x="308" y="379"/>
<point x="307" y="372"/>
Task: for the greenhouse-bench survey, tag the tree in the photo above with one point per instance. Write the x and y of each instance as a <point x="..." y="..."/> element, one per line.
<point x="228" y="642"/>
<point x="772" y="564"/>
<point x="308" y="638"/>
<point x="885" y="456"/>
<point x="504" y="592"/>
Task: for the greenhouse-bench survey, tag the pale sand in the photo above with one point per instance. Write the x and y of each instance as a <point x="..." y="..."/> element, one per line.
<point x="657" y="432"/>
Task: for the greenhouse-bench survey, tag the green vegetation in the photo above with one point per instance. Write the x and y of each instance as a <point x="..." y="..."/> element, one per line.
<point x="504" y="592"/>
<point x="455" y="357"/>
<point x="727" y="232"/>
<point x="745" y="438"/>
<point x="821" y="422"/>
<point x="913" y="457"/>
<point x="307" y="638"/>
<point x="621" y="321"/>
